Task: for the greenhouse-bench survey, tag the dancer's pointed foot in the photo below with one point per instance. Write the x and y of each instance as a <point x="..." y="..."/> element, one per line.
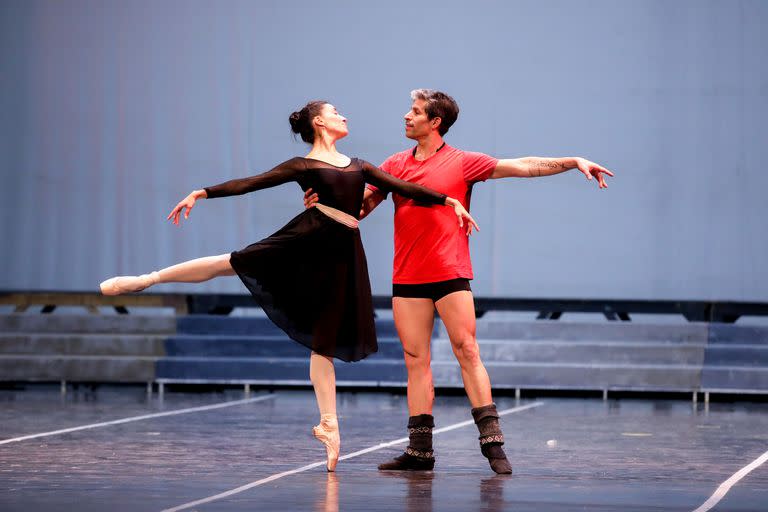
<point x="128" y="284"/>
<point x="327" y="432"/>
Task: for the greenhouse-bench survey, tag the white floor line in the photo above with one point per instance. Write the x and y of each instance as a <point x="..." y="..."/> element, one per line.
<point x="139" y="418"/>
<point x="721" y="491"/>
<point x="277" y="476"/>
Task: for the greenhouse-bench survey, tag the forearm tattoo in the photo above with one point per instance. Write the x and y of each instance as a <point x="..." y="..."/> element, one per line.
<point x="545" y="167"/>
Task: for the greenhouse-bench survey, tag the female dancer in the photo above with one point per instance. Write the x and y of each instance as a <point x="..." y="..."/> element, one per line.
<point x="311" y="276"/>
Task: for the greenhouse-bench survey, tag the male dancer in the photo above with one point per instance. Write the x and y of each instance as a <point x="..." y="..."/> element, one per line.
<point x="432" y="268"/>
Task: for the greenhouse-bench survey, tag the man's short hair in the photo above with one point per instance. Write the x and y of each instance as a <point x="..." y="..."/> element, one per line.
<point x="439" y="105"/>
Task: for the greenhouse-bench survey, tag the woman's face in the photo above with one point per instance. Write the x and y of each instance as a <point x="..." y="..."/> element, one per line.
<point x="334" y="123"/>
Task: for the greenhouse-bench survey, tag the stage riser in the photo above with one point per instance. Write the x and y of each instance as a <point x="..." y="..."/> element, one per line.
<point x="372" y="373"/>
<point x="91" y="324"/>
<point x="78" y="369"/>
<point x="741" y="355"/>
<point x="735" y="378"/>
<point x="84" y="344"/>
<point x="542" y="354"/>
<point x="606" y="331"/>
<point x="244" y="326"/>
<point x="278" y="370"/>
<point x="577" y="352"/>
<point x="445" y="375"/>
<point x="277" y="346"/>
<point x="727" y="334"/>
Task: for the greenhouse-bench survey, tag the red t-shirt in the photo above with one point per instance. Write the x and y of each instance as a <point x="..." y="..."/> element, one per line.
<point x="429" y="245"/>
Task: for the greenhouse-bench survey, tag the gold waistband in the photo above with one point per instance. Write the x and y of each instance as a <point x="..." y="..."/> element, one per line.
<point x="338" y="215"/>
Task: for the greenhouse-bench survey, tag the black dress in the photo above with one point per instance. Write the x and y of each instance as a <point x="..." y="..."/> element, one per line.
<point x="311" y="276"/>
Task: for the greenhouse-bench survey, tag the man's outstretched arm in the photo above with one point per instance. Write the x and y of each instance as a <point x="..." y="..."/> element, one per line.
<point x="535" y="167"/>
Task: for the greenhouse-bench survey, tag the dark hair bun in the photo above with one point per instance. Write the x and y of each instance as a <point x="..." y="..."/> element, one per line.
<point x="301" y="120"/>
<point x="294" y="120"/>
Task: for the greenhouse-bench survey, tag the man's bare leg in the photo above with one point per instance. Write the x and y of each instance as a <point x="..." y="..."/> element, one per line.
<point x="457" y="311"/>
<point x="414" y="320"/>
<point x="192" y="271"/>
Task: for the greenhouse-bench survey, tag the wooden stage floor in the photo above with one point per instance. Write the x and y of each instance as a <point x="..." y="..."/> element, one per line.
<point x="116" y="449"/>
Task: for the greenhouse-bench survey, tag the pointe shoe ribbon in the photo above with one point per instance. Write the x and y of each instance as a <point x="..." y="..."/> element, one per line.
<point x="128" y="284"/>
<point x="327" y="432"/>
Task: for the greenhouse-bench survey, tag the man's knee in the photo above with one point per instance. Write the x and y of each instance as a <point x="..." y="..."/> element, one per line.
<point x="467" y="351"/>
<point x="416" y="362"/>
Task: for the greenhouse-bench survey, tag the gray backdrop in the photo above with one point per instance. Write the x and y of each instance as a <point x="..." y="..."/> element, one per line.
<point x="113" y="111"/>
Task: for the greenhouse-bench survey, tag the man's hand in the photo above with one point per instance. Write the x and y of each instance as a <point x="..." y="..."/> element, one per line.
<point x="591" y="169"/>
<point x="310" y="198"/>
<point x="371" y="200"/>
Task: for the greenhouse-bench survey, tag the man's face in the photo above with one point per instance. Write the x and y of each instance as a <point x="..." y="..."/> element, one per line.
<point x="417" y="124"/>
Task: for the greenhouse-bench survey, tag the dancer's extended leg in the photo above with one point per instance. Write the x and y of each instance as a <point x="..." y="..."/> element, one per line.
<point x="197" y="270"/>
<point x="323" y="377"/>
<point x="192" y="271"/>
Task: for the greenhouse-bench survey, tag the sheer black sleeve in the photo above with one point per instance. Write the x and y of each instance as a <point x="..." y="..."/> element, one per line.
<point x="283" y="173"/>
<point x="388" y="183"/>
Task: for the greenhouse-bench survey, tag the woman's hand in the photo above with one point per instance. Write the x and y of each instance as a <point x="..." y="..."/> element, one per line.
<point x="188" y="203"/>
<point x="462" y="214"/>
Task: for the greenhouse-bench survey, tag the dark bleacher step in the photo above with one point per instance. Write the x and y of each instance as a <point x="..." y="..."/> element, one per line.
<point x="737" y="378"/>
<point x="749" y="335"/>
<point x="86" y="344"/>
<point x="541" y="354"/>
<point x="255" y="346"/>
<point x="226" y="326"/>
<point x="93" y="324"/>
<point x="582" y="352"/>
<point x="278" y="370"/>
<point x="250" y="326"/>
<point x="736" y="355"/>
<point x="384" y="372"/>
<point x="561" y="375"/>
<point x="736" y="359"/>
<point x="606" y="331"/>
<point x="77" y="368"/>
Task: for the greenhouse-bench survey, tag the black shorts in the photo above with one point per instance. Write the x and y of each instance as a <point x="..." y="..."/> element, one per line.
<point x="434" y="291"/>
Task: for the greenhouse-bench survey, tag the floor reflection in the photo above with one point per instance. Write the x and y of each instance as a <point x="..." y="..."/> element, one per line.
<point x="418" y="492"/>
<point x="419" y="495"/>
<point x="329" y="502"/>
<point x="492" y="493"/>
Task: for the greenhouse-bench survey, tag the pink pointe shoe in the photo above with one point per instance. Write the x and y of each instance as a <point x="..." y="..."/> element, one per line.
<point x="128" y="284"/>
<point x="327" y="432"/>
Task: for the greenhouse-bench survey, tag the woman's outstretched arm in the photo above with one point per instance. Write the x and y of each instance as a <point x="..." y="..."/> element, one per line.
<point x="283" y="173"/>
<point x="386" y="181"/>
